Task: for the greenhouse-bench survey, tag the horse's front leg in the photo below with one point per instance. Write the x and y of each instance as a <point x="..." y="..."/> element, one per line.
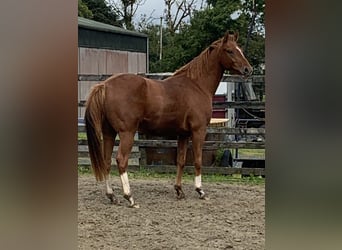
<point x="198" y="138"/>
<point x="181" y="157"/>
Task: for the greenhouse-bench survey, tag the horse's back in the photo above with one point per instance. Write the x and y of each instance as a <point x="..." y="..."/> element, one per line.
<point x="124" y="84"/>
<point x="171" y="106"/>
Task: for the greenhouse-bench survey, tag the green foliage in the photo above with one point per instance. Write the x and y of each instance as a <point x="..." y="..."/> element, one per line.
<point x="206" y="26"/>
<point x="218" y="3"/>
<point x="84" y="170"/>
<point x="255" y="45"/>
<point x="82" y="136"/>
<point x="219" y="178"/>
<point x="83" y="10"/>
<point x="256" y="152"/>
<point x="218" y="156"/>
<point x="101" y="12"/>
<point x="153" y="35"/>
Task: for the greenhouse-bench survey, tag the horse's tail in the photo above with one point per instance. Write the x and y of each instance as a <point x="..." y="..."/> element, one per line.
<point x="94" y="116"/>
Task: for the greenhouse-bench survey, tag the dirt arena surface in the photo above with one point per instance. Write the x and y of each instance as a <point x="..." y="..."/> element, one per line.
<point x="233" y="217"/>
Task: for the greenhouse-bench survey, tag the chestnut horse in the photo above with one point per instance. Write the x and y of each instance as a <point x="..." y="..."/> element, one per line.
<point x="180" y="105"/>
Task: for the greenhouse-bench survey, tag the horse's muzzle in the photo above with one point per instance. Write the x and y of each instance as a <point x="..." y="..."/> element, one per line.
<point x="247" y="71"/>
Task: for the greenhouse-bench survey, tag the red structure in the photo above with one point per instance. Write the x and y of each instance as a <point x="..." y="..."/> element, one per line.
<point x="219" y="113"/>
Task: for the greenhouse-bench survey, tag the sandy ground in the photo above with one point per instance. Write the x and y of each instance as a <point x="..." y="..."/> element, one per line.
<point x="233" y="217"/>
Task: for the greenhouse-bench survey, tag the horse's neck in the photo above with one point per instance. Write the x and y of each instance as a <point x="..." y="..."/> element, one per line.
<point x="211" y="79"/>
<point x="214" y="79"/>
<point x="206" y="76"/>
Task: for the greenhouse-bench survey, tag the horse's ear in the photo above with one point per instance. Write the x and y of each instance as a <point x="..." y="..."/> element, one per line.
<point x="226" y="37"/>
<point x="236" y="36"/>
<point x="230" y="36"/>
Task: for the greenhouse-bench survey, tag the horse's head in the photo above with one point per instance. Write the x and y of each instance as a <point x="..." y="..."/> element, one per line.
<point x="232" y="57"/>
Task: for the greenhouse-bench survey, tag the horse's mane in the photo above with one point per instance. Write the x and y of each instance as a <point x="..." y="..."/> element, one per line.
<point x="199" y="65"/>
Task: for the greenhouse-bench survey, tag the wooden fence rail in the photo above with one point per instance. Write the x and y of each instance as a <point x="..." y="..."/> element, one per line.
<point x="214" y="132"/>
<point x="220" y="105"/>
<point x="218" y="130"/>
<point x="212" y="145"/>
<point x="257" y="79"/>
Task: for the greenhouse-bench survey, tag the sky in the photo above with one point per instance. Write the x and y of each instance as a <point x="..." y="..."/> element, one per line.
<point x="149" y="6"/>
<point x="155" y="8"/>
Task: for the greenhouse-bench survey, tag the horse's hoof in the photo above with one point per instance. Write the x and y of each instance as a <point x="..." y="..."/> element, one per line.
<point x="112" y="198"/>
<point x="134" y="206"/>
<point x="204" y="197"/>
<point x="131" y="201"/>
<point x="179" y="192"/>
<point x="181" y="196"/>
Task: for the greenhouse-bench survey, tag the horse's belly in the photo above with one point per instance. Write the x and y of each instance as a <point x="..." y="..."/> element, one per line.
<point x="165" y="127"/>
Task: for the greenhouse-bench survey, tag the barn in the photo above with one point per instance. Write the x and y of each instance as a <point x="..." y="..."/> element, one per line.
<point x="105" y="50"/>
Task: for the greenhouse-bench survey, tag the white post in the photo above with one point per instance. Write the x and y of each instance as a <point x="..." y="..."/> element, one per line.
<point x="161" y="38"/>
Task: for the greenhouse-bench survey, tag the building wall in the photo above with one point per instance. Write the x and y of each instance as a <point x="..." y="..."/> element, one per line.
<point x="105" y="61"/>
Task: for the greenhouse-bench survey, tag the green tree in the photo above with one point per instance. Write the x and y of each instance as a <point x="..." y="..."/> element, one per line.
<point x="83" y="10"/>
<point x="176" y="12"/>
<point x="102" y="12"/>
<point x="153" y="38"/>
<point x="205" y="26"/>
<point x="254" y="42"/>
<point x="126" y="9"/>
<point x="209" y="24"/>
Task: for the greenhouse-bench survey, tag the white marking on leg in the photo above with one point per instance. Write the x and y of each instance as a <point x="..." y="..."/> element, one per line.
<point x="109" y="188"/>
<point x="125" y="184"/>
<point x="198" y="181"/>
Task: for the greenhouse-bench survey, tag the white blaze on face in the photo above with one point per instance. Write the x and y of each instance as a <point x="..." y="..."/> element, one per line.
<point x="238" y="49"/>
<point x="125" y="183"/>
<point x="198" y="181"/>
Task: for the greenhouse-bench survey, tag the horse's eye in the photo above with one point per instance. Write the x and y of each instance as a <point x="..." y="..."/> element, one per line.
<point x="230" y="52"/>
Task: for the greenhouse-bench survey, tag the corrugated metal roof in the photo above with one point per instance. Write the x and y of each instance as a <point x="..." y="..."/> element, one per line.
<point x="90" y="24"/>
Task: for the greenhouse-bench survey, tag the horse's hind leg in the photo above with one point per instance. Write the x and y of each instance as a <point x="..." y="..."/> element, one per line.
<point x="181" y="157"/>
<point x="125" y="147"/>
<point x="108" y="144"/>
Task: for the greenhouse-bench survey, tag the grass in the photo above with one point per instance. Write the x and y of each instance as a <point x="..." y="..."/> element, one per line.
<point x="244" y="152"/>
<point x="209" y="178"/>
<point x="82" y="136"/>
